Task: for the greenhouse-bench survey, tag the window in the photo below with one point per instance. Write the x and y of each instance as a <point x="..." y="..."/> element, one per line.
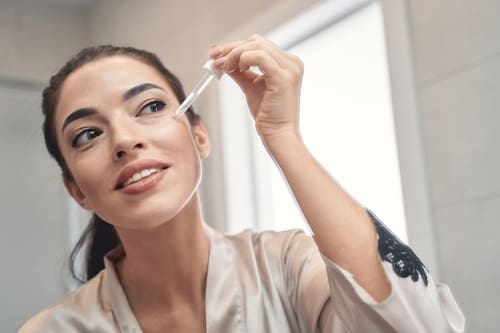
<point x="346" y="121"/>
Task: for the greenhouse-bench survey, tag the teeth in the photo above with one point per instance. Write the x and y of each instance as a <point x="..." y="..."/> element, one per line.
<point x="145" y="173"/>
<point x="140" y="175"/>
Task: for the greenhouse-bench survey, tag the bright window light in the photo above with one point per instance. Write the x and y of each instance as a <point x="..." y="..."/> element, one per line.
<point x="346" y="121"/>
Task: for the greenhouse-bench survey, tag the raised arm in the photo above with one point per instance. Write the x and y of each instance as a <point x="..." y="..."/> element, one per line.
<point x="342" y="228"/>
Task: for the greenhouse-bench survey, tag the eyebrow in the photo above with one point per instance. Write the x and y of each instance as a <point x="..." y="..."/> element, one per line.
<point x="86" y="112"/>
<point x="80" y="113"/>
<point x="138" y="89"/>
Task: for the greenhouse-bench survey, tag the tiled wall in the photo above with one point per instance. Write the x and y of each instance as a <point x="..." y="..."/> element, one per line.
<point x="457" y="55"/>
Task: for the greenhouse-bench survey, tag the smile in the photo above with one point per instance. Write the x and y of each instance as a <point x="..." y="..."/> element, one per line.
<point x="140" y="175"/>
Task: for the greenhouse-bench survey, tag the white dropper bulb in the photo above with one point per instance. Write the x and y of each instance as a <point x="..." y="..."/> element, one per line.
<point x="205" y="80"/>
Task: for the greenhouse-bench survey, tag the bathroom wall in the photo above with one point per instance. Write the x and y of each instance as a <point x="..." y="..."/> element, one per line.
<point x="457" y="66"/>
<point x="34" y="40"/>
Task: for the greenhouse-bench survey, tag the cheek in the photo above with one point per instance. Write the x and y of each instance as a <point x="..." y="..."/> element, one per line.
<point x="176" y="140"/>
<point x="166" y="128"/>
<point x="89" y="172"/>
<point x="173" y="135"/>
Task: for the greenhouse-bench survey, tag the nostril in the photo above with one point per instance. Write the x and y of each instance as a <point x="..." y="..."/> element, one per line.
<point x="128" y="149"/>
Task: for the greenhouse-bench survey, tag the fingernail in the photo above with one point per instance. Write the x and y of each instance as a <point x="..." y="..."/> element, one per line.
<point x="219" y="62"/>
<point x="214" y="51"/>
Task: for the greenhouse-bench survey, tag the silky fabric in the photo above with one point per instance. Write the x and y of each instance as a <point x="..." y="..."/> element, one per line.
<point x="267" y="282"/>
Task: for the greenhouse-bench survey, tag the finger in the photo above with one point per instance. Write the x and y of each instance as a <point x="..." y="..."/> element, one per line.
<point x="285" y="60"/>
<point x="232" y="58"/>
<point x="261" y="59"/>
<point x="249" y="83"/>
<point x="227" y="55"/>
<point x="244" y="79"/>
<point x="219" y="51"/>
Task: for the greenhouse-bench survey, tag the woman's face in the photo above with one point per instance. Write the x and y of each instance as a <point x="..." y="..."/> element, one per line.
<point x="133" y="163"/>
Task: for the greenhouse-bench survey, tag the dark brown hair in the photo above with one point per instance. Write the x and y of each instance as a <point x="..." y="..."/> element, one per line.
<point x="99" y="237"/>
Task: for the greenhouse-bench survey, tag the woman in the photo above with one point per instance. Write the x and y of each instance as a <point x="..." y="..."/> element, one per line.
<point x="110" y="125"/>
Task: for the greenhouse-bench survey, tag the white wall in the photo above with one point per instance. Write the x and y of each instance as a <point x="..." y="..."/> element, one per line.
<point x="37" y="37"/>
<point x="34" y="40"/>
<point x="457" y="62"/>
<point x="33" y="239"/>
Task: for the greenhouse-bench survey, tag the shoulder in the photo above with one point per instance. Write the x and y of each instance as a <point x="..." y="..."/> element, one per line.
<point x="70" y="313"/>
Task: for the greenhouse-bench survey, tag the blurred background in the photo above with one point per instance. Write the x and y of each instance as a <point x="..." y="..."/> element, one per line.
<point x="400" y="102"/>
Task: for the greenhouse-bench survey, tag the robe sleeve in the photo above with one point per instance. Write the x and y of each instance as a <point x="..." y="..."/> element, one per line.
<point x="327" y="298"/>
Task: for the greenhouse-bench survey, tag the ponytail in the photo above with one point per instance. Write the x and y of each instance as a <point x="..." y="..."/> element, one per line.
<point x="99" y="237"/>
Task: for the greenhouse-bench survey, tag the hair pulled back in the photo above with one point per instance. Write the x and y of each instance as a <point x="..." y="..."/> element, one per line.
<point x="99" y="237"/>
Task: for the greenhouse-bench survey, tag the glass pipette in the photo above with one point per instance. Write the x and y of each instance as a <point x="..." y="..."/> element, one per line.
<point x="205" y="80"/>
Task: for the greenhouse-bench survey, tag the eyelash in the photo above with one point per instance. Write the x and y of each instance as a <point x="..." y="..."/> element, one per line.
<point x="160" y="105"/>
<point x="157" y="106"/>
<point x="80" y="134"/>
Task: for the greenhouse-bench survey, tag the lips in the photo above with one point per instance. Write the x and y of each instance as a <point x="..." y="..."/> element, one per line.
<point x="138" y="171"/>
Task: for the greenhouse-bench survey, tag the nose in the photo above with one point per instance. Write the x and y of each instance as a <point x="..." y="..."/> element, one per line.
<point x="121" y="153"/>
<point x="126" y="143"/>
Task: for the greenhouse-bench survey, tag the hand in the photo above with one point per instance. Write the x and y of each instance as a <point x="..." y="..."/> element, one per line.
<point x="273" y="96"/>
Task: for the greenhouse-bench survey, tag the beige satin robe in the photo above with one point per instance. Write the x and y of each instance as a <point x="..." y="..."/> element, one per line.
<point x="267" y="282"/>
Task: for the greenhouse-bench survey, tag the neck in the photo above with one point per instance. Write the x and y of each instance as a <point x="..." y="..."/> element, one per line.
<point x="168" y="264"/>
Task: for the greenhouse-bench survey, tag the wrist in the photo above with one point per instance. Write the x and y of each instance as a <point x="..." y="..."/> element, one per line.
<point x="281" y="141"/>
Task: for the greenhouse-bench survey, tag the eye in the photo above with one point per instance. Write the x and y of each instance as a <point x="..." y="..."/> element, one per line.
<point x="85" y="136"/>
<point x="152" y="107"/>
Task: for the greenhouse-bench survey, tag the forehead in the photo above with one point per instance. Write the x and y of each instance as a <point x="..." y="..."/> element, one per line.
<point x="111" y="72"/>
<point x="104" y="81"/>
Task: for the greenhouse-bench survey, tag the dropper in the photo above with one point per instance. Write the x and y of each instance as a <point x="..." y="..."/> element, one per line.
<point x="205" y="80"/>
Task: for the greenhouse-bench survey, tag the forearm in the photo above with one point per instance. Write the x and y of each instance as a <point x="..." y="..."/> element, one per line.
<point x="342" y="229"/>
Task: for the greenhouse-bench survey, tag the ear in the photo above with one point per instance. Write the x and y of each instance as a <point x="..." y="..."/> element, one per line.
<point x="200" y="136"/>
<point x="76" y="193"/>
